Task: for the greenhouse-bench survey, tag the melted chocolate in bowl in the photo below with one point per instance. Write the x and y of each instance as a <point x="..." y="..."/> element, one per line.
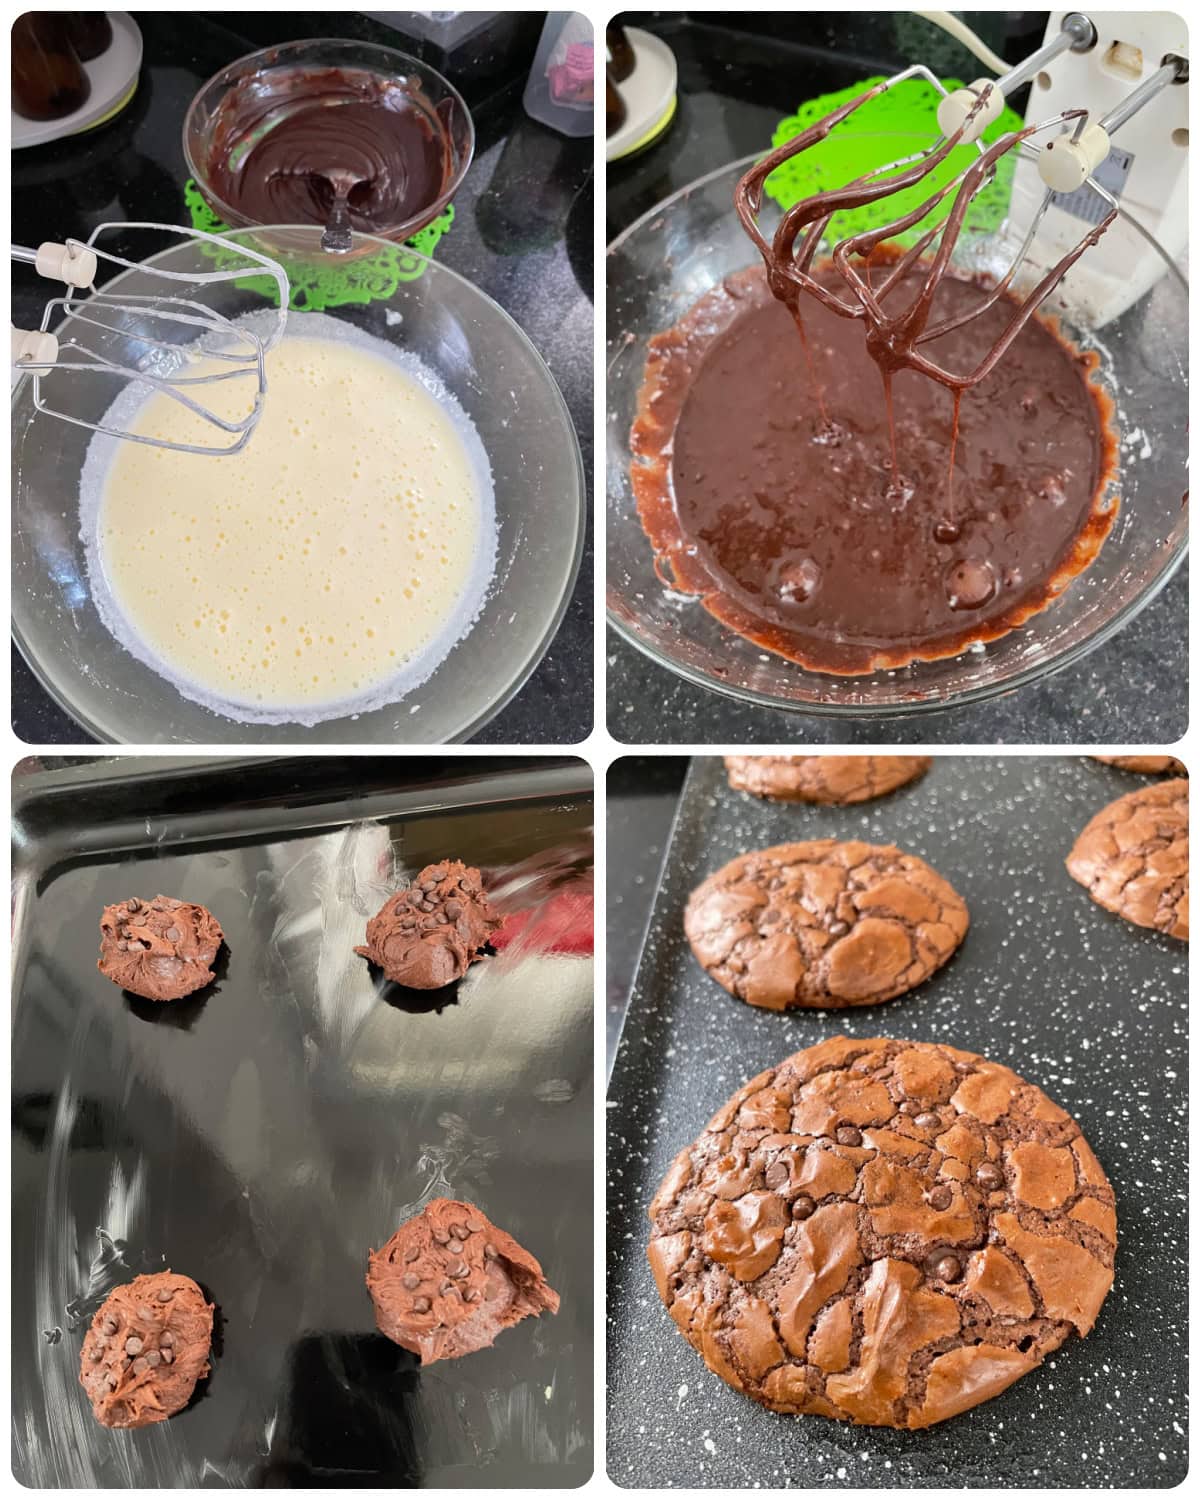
<point x="286" y="138"/>
<point x="764" y="482"/>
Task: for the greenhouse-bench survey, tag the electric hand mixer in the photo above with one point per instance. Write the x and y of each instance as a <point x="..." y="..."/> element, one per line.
<point x="172" y="333"/>
<point x="1067" y="170"/>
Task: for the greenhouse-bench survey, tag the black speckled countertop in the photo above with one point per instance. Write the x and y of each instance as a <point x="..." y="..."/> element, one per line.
<point x="733" y="91"/>
<point x="523" y="233"/>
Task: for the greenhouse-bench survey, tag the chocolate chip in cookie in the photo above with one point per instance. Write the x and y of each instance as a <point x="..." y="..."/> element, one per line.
<point x="883" y="1232"/>
<point x="1133" y="857"/>
<point x="823" y="924"/>
<point x="837" y="780"/>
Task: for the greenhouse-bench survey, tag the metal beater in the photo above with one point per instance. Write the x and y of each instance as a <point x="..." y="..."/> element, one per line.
<point x="174" y="332"/>
<point x="1071" y="149"/>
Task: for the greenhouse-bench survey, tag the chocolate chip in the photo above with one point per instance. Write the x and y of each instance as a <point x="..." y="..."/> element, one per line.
<point x="153" y="1358"/>
<point x="927" y="1121"/>
<point x="454" y="910"/>
<point x="475" y="1225"/>
<point x="112" y="1381"/>
<point x="110" y="1325"/>
<point x="776" y="1174"/>
<point x="139" y="1366"/>
<point x="173" y="934"/>
<point x="803" y="1207"/>
<point x="455" y="1247"/>
<point x="939" y="1197"/>
<point x="421" y="1304"/>
<point x="460" y="1270"/>
<point x="910" y="1107"/>
<point x="96" y="1355"/>
<point x="167" y="1338"/>
<point x="491" y="1252"/>
<point x="947" y="1268"/>
<point x="440" y="1237"/>
<point x="473" y="1295"/>
<point x="838" y="929"/>
<point x="989" y="1176"/>
<point x="411" y="1282"/>
<point x="411" y="1254"/>
<point x="134" y="1346"/>
<point x="849" y="1135"/>
<point x="165" y="1295"/>
<point x="167" y="1356"/>
<point x="459" y="1231"/>
<point x="445" y="1289"/>
<point x="134" y="904"/>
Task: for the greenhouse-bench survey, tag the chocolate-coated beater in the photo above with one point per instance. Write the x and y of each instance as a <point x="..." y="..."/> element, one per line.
<point x="1069" y="150"/>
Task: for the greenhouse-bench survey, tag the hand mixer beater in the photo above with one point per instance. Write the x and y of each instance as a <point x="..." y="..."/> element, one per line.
<point x="1066" y="150"/>
<point x="167" y="342"/>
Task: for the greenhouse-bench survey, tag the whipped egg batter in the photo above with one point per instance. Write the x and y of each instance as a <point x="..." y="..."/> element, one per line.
<point x="326" y="568"/>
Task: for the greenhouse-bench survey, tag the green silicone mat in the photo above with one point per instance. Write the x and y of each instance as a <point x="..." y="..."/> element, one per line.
<point x="894" y="125"/>
<point x="337" y="283"/>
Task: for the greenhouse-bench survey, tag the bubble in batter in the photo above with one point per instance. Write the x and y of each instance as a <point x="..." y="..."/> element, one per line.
<point x="325" y="569"/>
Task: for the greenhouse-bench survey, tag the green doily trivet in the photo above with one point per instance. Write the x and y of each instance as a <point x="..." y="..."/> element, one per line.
<point x="331" y="282"/>
<point x="896" y="124"/>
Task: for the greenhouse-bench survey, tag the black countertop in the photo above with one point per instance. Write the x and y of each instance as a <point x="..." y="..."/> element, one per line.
<point x="643" y="793"/>
<point x="735" y="85"/>
<point x="523" y="233"/>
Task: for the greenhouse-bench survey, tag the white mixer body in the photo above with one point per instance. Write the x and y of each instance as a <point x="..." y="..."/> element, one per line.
<point x="1146" y="170"/>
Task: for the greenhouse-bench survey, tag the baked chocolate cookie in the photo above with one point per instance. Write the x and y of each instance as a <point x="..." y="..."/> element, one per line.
<point x="146" y="1349"/>
<point x="1133" y="857"/>
<point x="448" y="1281"/>
<point x="1148" y="765"/>
<point x="837" y="780"/>
<point x="823" y="924"/>
<point x="161" y="949"/>
<point x="430" y="934"/>
<point x="884" y="1232"/>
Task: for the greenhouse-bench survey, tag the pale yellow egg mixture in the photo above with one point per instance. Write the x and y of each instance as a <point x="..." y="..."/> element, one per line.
<point x="343" y="542"/>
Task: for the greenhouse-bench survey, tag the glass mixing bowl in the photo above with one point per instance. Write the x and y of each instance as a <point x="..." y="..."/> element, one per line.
<point x="499" y="378"/>
<point x="276" y="69"/>
<point x="682" y="248"/>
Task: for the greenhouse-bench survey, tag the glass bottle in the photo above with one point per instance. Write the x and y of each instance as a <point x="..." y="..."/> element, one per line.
<point x="91" y="33"/>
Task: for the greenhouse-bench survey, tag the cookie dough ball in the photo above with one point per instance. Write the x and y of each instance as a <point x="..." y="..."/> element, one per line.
<point x="448" y="1281"/>
<point x="883" y="1232"/>
<point x="832" y="779"/>
<point x="1133" y="857"/>
<point x="161" y="949"/>
<point x="430" y="934"/>
<point x="146" y="1349"/>
<point x="1148" y="765"/>
<point x="823" y="924"/>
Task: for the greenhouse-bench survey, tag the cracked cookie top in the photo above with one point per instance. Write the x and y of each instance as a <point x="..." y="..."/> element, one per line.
<point x="823" y="924"/>
<point x="1133" y="857"/>
<point x="1147" y="765"/>
<point x="883" y="1232"/>
<point x="836" y="780"/>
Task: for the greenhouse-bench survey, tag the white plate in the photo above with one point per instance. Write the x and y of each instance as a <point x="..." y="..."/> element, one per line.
<point x="647" y="92"/>
<point x="113" y="76"/>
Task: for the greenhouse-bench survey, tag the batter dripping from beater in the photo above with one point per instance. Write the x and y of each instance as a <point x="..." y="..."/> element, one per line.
<point x="852" y="523"/>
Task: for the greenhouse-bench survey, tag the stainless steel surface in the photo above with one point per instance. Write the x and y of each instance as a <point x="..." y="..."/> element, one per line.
<point x="262" y="1135"/>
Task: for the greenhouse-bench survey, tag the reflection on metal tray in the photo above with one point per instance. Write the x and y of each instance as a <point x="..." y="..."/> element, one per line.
<point x="1078" y="1001"/>
<point x="261" y="1135"/>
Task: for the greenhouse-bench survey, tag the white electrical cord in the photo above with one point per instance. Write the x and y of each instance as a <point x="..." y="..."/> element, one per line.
<point x="961" y="32"/>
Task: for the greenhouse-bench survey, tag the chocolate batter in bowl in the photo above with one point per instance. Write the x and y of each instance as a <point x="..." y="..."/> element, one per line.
<point x="278" y="136"/>
<point x="925" y="570"/>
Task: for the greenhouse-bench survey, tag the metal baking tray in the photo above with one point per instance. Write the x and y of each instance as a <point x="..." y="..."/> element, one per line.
<point x="1076" y="1000"/>
<point x="262" y="1135"/>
